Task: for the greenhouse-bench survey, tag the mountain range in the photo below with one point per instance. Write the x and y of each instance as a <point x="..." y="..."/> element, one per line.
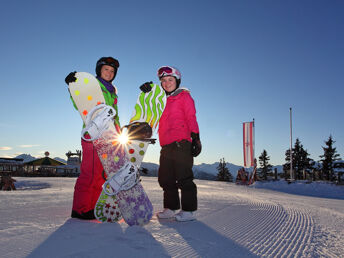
<point x="201" y="171"/>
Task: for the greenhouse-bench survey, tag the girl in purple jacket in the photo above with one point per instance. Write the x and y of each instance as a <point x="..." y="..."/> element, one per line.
<point x="180" y="142"/>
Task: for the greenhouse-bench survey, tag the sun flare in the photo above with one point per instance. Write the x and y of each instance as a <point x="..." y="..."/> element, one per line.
<point x="123" y="138"/>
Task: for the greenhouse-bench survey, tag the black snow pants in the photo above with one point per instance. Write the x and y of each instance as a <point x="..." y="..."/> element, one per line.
<point x="175" y="172"/>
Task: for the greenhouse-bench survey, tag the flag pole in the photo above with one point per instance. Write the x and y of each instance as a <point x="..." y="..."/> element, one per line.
<point x="253" y="174"/>
<point x="291" y="146"/>
<point x="254" y="141"/>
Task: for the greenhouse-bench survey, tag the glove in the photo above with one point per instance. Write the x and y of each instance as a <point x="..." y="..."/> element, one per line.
<point x="70" y="78"/>
<point x="196" y="146"/>
<point x="146" y="87"/>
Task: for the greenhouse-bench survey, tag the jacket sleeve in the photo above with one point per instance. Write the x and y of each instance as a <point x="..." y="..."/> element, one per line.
<point x="190" y="113"/>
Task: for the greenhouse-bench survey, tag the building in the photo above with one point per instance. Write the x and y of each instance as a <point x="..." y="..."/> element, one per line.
<point x="73" y="165"/>
<point x="42" y="167"/>
<point x="11" y="166"/>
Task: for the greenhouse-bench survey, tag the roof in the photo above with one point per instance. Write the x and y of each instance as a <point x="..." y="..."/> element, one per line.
<point x="46" y="161"/>
<point x="11" y="161"/>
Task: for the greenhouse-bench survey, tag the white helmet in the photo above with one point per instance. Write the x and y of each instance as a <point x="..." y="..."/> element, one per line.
<point x="170" y="71"/>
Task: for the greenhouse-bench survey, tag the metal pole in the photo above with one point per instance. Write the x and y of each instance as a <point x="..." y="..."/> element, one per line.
<point x="291" y="148"/>
<point x="254" y="141"/>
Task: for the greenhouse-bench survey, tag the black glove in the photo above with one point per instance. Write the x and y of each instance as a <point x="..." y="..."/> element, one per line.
<point x="146" y="87"/>
<point x="196" y="147"/>
<point x="70" y="78"/>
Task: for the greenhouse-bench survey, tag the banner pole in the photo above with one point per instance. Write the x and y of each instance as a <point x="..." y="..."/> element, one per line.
<point x="254" y="142"/>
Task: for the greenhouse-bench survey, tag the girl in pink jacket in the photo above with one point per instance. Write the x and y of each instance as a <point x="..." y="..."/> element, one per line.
<point x="180" y="142"/>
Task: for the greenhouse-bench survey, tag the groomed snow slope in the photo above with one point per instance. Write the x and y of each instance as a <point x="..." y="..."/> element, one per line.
<point x="232" y="221"/>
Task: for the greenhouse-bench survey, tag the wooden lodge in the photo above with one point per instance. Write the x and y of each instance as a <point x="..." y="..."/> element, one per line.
<point x="42" y="166"/>
<point x="11" y="166"/>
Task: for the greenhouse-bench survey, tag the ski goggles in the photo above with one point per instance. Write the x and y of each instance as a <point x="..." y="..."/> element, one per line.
<point x="109" y="61"/>
<point x="168" y="71"/>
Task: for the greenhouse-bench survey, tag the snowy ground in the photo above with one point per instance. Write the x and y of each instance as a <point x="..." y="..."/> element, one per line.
<point x="232" y="221"/>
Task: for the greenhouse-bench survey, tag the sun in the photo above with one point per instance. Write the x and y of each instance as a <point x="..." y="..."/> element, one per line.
<point x="123" y="138"/>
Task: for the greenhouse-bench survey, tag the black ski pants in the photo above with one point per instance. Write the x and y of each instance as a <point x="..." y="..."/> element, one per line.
<point x="175" y="172"/>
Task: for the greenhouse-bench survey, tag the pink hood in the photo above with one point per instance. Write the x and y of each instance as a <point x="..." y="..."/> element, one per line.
<point x="178" y="119"/>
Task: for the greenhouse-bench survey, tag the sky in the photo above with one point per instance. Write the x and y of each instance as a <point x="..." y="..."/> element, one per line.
<point x="241" y="60"/>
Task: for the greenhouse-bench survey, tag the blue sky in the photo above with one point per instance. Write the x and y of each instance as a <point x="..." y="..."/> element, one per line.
<point x="241" y="60"/>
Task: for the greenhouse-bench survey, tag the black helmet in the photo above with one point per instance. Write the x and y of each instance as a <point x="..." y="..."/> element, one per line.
<point x="107" y="61"/>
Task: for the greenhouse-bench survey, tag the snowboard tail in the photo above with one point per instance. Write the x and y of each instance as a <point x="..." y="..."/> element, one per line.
<point x="107" y="209"/>
<point x="135" y="206"/>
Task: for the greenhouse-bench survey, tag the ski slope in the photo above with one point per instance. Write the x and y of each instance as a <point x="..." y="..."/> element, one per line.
<point x="232" y="221"/>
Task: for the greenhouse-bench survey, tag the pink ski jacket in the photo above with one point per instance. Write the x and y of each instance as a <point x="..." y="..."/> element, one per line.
<point x="178" y="119"/>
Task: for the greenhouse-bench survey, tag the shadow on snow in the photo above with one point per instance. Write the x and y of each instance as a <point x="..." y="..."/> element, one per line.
<point x="77" y="238"/>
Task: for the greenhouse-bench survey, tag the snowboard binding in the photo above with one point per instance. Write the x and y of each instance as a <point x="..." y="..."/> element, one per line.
<point x="100" y="123"/>
<point x="126" y="178"/>
<point x="141" y="131"/>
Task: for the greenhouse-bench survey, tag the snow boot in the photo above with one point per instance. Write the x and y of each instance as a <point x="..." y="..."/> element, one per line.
<point x="165" y="214"/>
<point x="185" y="216"/>
<point x="85" y="215"/>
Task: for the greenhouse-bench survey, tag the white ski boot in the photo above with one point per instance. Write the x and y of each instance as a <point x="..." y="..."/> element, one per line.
<point x="165" y="214"/>
<point x="185" y="216"/>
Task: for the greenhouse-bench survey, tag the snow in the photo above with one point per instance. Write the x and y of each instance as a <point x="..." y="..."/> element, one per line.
<point x="266" y="219"/>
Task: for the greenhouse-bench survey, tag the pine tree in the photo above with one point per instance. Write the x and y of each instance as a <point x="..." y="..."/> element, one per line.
<point x="297" y="158"/>
<point x="328" y="159"/>
<point x="306" y="164"/>
<point x="286" y="166"/>
<point x="265" y="167"/>
<point x="223" y="172"/>
<point x="301" y="160"/>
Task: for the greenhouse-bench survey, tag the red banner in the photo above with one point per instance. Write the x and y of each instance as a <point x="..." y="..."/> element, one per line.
<point x="248" y="135"/>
